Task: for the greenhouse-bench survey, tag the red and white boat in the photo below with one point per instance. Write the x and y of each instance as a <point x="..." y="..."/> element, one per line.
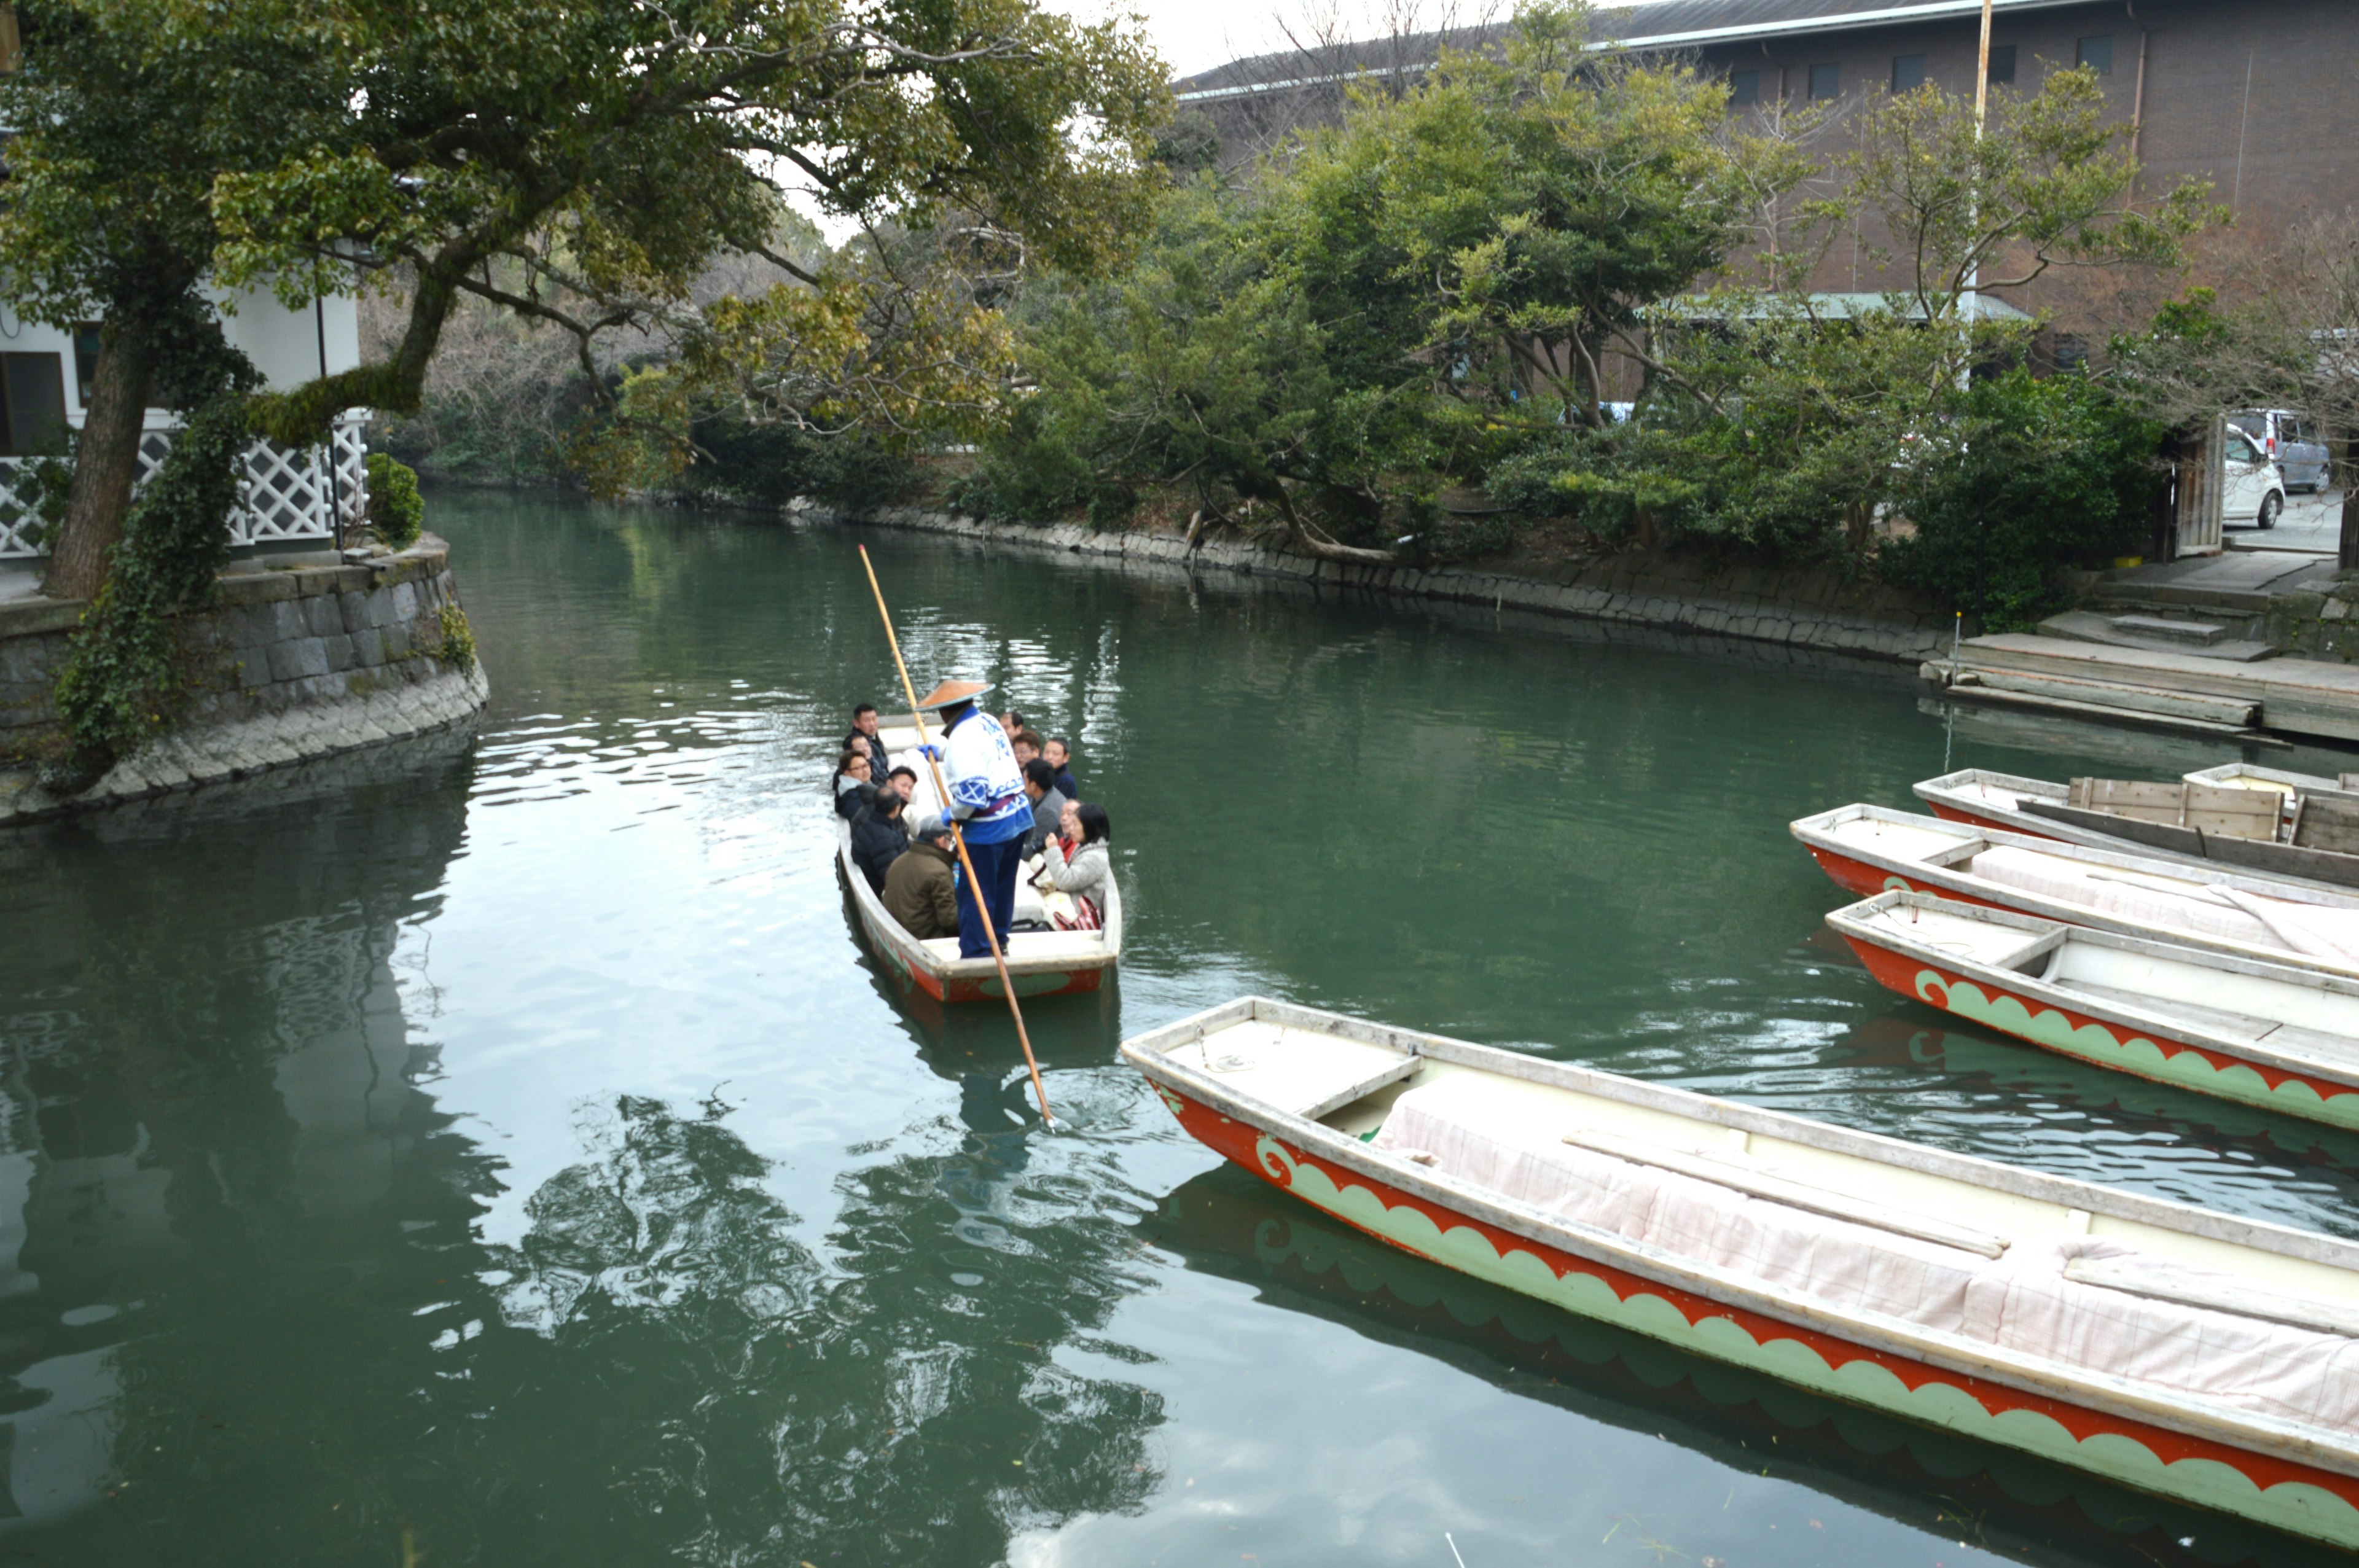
<point x="2273" y="1035"/>
<point x="2169" y="1348"/>
<point x="1869" y="849"/>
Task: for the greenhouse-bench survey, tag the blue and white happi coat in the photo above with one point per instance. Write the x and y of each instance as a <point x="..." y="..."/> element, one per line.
<point x="986" y="787"/>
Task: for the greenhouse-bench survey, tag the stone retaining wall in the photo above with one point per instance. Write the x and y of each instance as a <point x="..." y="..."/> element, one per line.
<point x="1809" y="610"/>
<point x="299" y="662"/>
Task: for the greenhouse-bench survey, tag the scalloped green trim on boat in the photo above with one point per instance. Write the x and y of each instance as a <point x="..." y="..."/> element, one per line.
<point x="2297" y="1506"/>
<point x="2094" y="1042"/>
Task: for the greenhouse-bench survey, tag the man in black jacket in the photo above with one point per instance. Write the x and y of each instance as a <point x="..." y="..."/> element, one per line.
<point x="879" y="837"/>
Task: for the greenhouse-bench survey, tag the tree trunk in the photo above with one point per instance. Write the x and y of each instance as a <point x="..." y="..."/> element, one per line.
<point x="106" y="462"/>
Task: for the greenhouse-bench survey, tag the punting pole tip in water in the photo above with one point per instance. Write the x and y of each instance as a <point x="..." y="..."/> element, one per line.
<point x="942" y="792"/>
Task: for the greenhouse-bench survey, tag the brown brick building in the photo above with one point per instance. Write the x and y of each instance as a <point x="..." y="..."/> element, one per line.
<point x="2253" y="95"/>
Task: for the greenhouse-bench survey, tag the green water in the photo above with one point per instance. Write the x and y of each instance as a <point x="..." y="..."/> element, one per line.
<point x="508" y="1141"/>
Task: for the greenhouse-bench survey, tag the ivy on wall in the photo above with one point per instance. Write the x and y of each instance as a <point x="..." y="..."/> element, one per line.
<point x="121" y="680"/>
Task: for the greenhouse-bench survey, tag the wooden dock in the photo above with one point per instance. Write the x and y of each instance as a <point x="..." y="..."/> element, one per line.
<point x="2260" y="701"/>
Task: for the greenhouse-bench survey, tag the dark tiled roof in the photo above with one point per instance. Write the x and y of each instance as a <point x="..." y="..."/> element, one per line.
<point x="1669" y="20"/>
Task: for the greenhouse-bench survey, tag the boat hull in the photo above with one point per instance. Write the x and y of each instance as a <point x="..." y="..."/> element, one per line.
<point x="2287" y="1494"/>
<point x="913" y="976"/>
<point x="2147" y="1053"/>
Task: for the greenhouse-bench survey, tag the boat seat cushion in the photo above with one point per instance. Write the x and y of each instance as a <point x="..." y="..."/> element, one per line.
<point x="2024" y="1303"/>
<point x="1486" y="1133"/>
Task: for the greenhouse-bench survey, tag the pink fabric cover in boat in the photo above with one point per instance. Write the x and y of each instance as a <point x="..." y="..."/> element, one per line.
<point x="2317" y="930"/>
<point x="1489" y="1136"/>
<point x="1479" y="1135"/>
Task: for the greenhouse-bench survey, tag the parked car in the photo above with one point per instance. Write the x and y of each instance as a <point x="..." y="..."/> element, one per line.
<point x="2255" y="491"/>
<point x="2289" y="443"/>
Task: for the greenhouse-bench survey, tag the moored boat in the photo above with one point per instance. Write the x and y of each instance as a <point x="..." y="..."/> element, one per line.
<point x="1042" y="961"/>
<point x="2251" y="827"/>
<point x="1869" y="849"/>
<point x="2172" y="1350"/>
<point x="2264" y="1035"/>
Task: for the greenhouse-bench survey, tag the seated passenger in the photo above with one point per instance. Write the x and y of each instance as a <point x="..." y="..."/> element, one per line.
<point x="920" y="891"/>
<point x="1085" y="870"/>
<point x="1025" y="745"/>
<point x="853" y="789"/>
<point x="1048" y="806"/>
<point x="879" y="837"/>
<point x="1059" y="756"/>
<point x="863" y="737"/>
<point x="904" y="781"/>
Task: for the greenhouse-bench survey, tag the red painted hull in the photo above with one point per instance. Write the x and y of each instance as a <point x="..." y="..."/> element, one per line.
<point x="1068" y="983"/>
<point x="1866" y="881"/>
<point x="1238" y="1142"/>
<point x="1958" y="813"/>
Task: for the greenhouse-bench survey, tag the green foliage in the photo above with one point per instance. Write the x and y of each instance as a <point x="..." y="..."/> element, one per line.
<point x="121" y="680"/>
<point x="457" y="648"/>
<point x="2030" y="475"/>
<point x="395" y="510"/>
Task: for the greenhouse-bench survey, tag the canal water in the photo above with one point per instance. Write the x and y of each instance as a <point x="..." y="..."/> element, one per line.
<point x="502" y="1149"/>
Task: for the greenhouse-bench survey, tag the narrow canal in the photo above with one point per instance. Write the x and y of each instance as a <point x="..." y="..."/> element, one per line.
<point x="508" y="1148"/>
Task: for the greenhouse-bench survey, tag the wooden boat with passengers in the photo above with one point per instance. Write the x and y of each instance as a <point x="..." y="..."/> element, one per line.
<point x="2304" y="835"/>
<point x="2169" y="1348"/>
<point x="1869" y="849"/>
<point x="1042" y="959"/>
<point x="2273" y="1035"/>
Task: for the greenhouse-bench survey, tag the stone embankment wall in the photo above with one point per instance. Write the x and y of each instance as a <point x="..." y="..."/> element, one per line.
<point x="1805" y="609"/>
<point x="294" y="664"/>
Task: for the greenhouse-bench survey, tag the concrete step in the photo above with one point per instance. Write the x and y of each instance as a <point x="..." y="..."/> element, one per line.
<point x="2205" y="638"/>
<point x="2197" y="632"/>
<point x="2125" y="595"/>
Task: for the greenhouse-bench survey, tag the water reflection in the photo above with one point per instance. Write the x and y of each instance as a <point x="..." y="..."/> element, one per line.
<point x="249" y="1311"/>
<point x="1739" y="1423"/>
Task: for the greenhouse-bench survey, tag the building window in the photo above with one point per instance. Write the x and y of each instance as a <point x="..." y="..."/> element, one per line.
<point x="2097" y="54"/>
<point x="1826" y="81"/>
<point x="85" y="360"/>
<point x="1908" y="72"/>
<point x="2002" y="64"/>
<point x="32" y="403"/>
<point x="1743" y="87"/>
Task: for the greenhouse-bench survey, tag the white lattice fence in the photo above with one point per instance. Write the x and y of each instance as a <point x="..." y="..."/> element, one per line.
<point x="17" y="522"/>
<point x="287" y="494"/>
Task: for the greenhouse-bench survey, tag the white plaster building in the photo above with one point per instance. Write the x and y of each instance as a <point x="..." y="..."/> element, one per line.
<point x="300" y="499"/>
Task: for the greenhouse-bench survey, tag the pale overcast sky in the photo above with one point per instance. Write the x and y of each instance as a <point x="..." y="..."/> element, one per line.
<point x="1195" y="35"/>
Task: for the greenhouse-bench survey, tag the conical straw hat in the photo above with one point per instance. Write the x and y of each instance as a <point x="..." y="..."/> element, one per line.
<point x="954" y="691"/>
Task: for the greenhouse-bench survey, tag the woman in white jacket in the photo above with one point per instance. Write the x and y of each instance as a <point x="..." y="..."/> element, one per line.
<point x="1085" y="873"/>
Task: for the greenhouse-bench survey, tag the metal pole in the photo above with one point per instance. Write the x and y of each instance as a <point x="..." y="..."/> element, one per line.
<point x="943" y="792"/>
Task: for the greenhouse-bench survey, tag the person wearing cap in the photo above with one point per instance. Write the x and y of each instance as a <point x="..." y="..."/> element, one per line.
<point x="988" y="803"/>
<point x="919" y="884"/>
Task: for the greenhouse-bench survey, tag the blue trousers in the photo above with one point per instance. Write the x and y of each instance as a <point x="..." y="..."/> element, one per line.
<point x="996" y="866"/>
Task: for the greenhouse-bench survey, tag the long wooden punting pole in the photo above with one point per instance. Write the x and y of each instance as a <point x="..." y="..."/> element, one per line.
<point x="974" y="888"/>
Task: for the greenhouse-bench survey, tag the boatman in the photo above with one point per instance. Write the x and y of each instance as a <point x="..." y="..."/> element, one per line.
<point x="987" y="802"/>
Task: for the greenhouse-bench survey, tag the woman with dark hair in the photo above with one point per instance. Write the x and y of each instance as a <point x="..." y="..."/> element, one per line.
<point x="1084" y="870"/>
<point x="852" y="790"/>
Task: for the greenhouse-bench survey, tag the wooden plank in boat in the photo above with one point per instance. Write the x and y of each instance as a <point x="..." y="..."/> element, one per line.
<point x="2302" y="1312"/>
<point x="1296" y="1071"/>
<point x="2227" y="849"/>
<point x="2322" y="822"/>
<point x="1757" y="1182"/>
<point x="2208" y="807"/>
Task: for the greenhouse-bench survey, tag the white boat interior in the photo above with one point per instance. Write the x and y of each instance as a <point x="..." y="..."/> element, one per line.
<point x="2259" y="913"/>
<point x="2064" y="1286"/>
<point x="2287" y="1012"/>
